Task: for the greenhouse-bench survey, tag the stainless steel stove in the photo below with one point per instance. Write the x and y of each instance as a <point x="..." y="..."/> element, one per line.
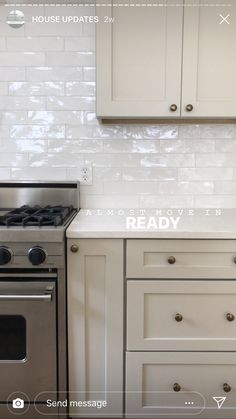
<point x="33" y="220"/>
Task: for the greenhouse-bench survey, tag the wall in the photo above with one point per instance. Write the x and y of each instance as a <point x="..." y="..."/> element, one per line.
<point x="48" y="127"/>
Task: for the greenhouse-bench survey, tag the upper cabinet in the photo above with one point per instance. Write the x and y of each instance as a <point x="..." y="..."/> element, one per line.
<point x="166" y="60"/>
<point x="139" y="60"/>
<point x="209" y="60"/>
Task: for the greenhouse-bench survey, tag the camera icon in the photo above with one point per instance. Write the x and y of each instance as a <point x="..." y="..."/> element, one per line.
<point x="18" y="403"/>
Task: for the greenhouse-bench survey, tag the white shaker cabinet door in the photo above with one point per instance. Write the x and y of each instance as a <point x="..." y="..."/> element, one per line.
<point x="209" y="60"/>
<point x="95" y="326"/>
<point x="139" y="59"/>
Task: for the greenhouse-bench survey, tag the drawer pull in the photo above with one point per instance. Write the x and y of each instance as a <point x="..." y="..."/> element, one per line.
<point x="178" y="317"/>
<point x="235" y="259"/>
<point x="176" y="387"/>
<point x="171" y="260"/>
<point x="226" y="388"/>
<point x="230" y="317"/>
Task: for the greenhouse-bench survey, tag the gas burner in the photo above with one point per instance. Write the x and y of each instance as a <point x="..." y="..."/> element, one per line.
<point x="36" y="216"/>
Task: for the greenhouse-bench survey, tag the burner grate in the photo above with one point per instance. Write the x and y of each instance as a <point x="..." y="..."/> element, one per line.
<point x="37" y="216"/>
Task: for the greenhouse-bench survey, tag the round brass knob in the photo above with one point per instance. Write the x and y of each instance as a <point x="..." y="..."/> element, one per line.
<point x="226" y="388"/>
<point x="173" y="108"/>
<point x="171" y="260"/>
<point x="178" y="317"/>
<point x="176" y="387"/>
<point x="230" y="317"/>
<point x="189" y="108"/>
<point x="74" y="248"/>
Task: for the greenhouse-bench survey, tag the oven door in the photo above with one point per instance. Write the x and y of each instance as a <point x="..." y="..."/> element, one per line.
<point x="28" y="340"/>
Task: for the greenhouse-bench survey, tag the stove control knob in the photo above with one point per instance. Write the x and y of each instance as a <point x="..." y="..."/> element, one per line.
<point x="5" y="255"/>
<point x="37" y="255"/>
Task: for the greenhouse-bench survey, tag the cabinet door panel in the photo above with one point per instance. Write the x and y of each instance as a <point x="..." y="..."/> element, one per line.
<point x="95" y="325"/>
<point x="154" y="310"/>
<point x="139" y="60"/>
<point x="151" y="378"/>
<point x="209" y="60"/>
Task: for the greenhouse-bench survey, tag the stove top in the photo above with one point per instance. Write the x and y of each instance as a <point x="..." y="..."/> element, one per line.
<point x="37" y="216"/>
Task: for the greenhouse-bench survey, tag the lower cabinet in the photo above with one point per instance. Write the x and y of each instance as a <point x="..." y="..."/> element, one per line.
<point x="181" y="315"/>
<point x="95" y="326"/>
<point x="180" y="384"/>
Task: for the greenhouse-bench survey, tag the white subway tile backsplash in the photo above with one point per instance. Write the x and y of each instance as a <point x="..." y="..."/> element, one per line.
<point x="69" y="58"/>
<point x="157" y="201"/>
<point x="168" y="160"/>
<point x="80" y="44"/>
<point x="218" y="131"/>
<point x="205" y="174"/>
<point x="36" y="89"/>
<point x="12" y="73"/>
<point x="21" y="59"/>
<point x="55" y="73"/>
<point x="215" y="201"/>
<point x="187" y="146"/>
<point x="34" y="43"/>
<point x="225" y="146"/>
<point x="73" y="103"/>
<point x="49" y="127"/>
<point x="23" y="146"/>
<point x="150" y="173"/>
<point x="186" y="188"/>
<point x="13" y="159"/>
<point x="74" y="88"/>
<point x="37" y="173"/>
<point x="37" y="131"/>
<point x="131" y="146"/>
<point x="216" y="160"/>
<point x="11" y="103"/>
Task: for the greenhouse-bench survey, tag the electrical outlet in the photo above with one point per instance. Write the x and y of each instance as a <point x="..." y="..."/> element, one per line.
<point x="85" y="175"/>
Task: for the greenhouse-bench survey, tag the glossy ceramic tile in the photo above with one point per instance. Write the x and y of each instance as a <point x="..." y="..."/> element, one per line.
<point x="48" y="127"/>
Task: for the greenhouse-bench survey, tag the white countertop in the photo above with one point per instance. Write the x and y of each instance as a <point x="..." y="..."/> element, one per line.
<point x="155" y="223"/>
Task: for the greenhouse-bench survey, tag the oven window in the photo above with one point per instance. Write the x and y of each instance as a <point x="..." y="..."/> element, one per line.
<point x="12" y="338"/>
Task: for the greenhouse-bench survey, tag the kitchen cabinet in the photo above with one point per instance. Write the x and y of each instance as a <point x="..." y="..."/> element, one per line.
<point x="181" y="259"/>
<point x="166" y="61"/>
<point x="95" y="325"/>
<point x="209" y="60"/>
<point x="165" y="315"/>
<point x="139" y="60"/>
<point x="164" y="382"/>
<point x="174" y="301"/>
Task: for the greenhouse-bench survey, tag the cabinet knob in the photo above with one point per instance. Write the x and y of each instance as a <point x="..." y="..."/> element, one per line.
<point x="74" y="248"/>
<point x="178" y="317"/>
<point x="176" y="387"/>
<point x="235" y="259"/>
<point x="171" y="260"/>
<point x="189" y="108"/>
<point x="173" y="107"/>
<point x="230" y="317"/>
<point x="226" y="388"/>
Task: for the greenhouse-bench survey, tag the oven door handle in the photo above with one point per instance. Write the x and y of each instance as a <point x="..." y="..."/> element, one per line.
<point x="26" y="297"/>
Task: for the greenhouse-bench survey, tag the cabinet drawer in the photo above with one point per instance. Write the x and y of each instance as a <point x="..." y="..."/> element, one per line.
<point x="181" y="259"/>
<point x="161" y="384"/>
<point x="181" y="315"/>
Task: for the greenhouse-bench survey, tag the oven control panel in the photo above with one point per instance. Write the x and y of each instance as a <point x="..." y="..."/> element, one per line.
<point x="25" y="255"/>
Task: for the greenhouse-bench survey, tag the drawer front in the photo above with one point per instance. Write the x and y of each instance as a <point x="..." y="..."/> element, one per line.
<point x="181" y="259"/>
<point x="183" y="385"/>
<point x="181" y="315"/>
